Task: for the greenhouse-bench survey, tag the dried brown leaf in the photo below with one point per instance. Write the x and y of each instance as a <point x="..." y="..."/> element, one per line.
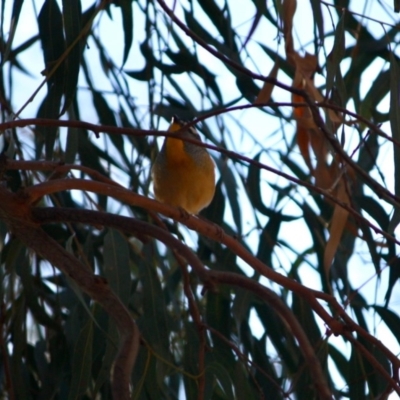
<point x="289" y="8"/>
<point x="339" y="221"/>
<point x="266" y="91"/>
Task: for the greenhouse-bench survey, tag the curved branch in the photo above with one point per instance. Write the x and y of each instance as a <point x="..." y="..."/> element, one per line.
<point x="16" y="213"/>
<point x="202" y="226"/>
<point x="391" y="198"/>
<point x="207" y="276"/>
<point x="373" y="361"/>
<point x="57" y="168"/>
<point x="288" y="317"/>
<point x="214" y="232"/>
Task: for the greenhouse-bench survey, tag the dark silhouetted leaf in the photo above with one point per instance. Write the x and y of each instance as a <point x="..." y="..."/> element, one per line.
<point x="72" y="14"/>
<point x="117" y="264"/>
<point x="336" y="55"/>
<point x="127" y="22"/>
<point x="82" y="361"/>
<point x="52" y="38"/>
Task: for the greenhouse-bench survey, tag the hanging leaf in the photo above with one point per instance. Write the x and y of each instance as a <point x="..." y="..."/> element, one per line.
<point x="72" y="16"/>
<point x="395" y="128"/>
<point x="338" y="224"/>
<point x="266" y="91"/>
<point x="336" y="56"/>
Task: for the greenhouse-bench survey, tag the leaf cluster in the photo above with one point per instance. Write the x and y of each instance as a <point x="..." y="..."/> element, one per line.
<point x="260" y="297"/>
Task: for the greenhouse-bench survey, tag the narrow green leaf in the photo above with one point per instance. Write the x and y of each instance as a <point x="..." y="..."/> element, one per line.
<point x="294" y="167"/>
<point x="232" y="191"/>
<point x="153" y="323"/>
<point x="13" y="54"/>
<point x="72" y="145"/>
<point x="266" y="376"/>
<point x="215" y="372"/>
<point x="378" y="90"/>
<point x="221" y="21"/>
<point x="52" y="37"/>
<point x="371" y="243"/>
<point x="17" y="366"/>
<point x="197" y="27"/>
<point x="395" y="127"/>
<point x="376" y="382"/>
<point x="254" y="187"/>
<point x="369" y="152"/>
<point x="340" y="361"/>
<point x="90" y="155"/>
<point x="191" y="63"/>
<point x="283" y="63"/>
<point x="269" y="238"/>
<point x="145" y="74"/>
<point x="41" y="354"/>
<point x="374" y="209"/>
<point x="218" y="316"/>
<point x="336" y="56"/>
<point x="279" y="335"/>
<point x="72" y="16"/>
<point x="390" y="318"/>
<point x="16" y="11"/>
<point x="356" y="376"/>
<point x="215" y="211"/>
<point x="53" y="44"/>
<point x="304" y="314"/>
<point x="190" y="359"/>
<point x="107" y="117"/>
<point x="127" y="23"/>
<point x="50" y="108"/>
<point x="22" y="267"/>
<point x="340" y="95"/>
<point x="107" y="356"/>
<point x="318" y="22"/>
<point x="247" y="87"/>
<point x="316" y="230"/>
<point x="241" y="305"/>
<point x="117" y="264"/>
<point x="81" y="364"/>
<point x="218" y="312"/>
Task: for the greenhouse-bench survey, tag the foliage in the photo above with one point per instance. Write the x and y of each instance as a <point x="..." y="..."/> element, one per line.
<point x="285" y="286"/>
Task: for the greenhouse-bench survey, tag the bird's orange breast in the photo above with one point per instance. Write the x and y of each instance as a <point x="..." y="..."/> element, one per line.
<point x="184" y="178"/>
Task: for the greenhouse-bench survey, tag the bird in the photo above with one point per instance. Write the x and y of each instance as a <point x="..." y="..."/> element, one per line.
<point x="183" y="172"/>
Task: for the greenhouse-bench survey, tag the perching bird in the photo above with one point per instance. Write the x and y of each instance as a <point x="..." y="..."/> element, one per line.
<point x="183" y="173"/>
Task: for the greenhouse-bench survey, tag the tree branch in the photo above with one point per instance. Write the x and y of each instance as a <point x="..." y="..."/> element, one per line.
<point x="207" y="276"/>
<point x="16" y="213"/>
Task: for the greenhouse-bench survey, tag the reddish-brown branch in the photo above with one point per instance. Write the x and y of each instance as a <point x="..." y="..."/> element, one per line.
<point x="287" y="316"/>
<point x="378" y="188"/>
<point x="216" y="233"/>
<point x="246" y="359"/>
<point x="58" y="168"/>
<point x="210" y="278"/>
<point x="344" y="157"/>
<point x="201" y="226"/>
<point x="16" y="213"/>
<point x="373" y="361"/>
<point x="393" y="199"/>
<point x="77" y="124"/>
